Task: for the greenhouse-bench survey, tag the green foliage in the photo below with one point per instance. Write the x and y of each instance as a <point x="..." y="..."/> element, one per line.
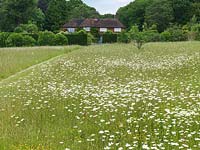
<point x="60" y="39"/>
<point x="165" y="36"/>
<point x="90" y="39"/>
<point x="14" y="13"/>
<point x="46" y="38"/>
<point x="177" y="34"/>
<point x="95" y="33"/>
<point x="84" y="11"/>
<point x="3" y="38"/>
<point x="109" y="37"/>
<point x="56" y="15"/>
<point x="28" y="41"/>
<point x="159" y="12"/>
<point x="124" y="37"/>
<point x="133" y="13"/>
<point x="17" y="40"/>
<point x="77" y="39"/>
<point x="26" y="28"/>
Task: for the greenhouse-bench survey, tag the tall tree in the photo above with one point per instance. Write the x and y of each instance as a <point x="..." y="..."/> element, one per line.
<point x="133" y="13"/>
<point x="84" y="11"/>
<point x="43" y="5"/>
<point x="182" y="11"/>
<point x="15" y="12"/>
<point x="57" y="13"/>
<point x="160" y="13"/>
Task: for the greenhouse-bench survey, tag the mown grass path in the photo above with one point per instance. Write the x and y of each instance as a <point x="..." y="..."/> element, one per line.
<point x="106" y="97"/>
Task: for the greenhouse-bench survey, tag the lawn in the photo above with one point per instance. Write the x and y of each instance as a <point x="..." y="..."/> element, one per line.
<point x="106" y="97"/>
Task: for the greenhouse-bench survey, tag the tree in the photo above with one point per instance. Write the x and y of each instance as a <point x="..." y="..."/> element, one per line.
<point x="16" y="12"/>
<point x="43" y="5"/>
<point x="159" y="12"/>
<point x="182" y="10"/>
<point x="84" y="11"/>
<point x="133" y="13"/>
<point x="56" y="15"/>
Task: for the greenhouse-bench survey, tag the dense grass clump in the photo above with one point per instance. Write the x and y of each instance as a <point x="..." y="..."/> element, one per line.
<point x="106" y="97"/>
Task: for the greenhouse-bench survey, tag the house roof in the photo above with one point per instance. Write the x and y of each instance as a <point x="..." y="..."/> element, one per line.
<point x="100" y="23"/>
<point x="89" y="23"/>
<point x="74" y="23"/>
<point x="110" y="23"/>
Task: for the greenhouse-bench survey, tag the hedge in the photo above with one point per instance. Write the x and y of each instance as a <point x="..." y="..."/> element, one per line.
<point x="109" y="38"/>
<point x="77" y="39"/>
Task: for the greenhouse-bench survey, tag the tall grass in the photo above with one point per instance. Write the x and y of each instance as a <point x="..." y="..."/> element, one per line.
<point x="13" y="60"/>
<point x="106" y="97"/>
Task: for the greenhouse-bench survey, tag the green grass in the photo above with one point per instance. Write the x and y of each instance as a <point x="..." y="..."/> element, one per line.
<point x="13" y="60"/>
<point x="106" y="97"/>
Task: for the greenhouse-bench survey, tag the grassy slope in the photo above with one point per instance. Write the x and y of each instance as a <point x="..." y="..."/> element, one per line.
<point x="106" y="97"/>
<point x="13" y="60"/>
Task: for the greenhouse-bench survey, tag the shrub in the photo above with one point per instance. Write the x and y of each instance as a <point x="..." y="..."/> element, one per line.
<point x="28" y="41"/>
<point x="151" y="36"/>
<point x="177" y="34"/>
<point x="46" y="38"/>
<point x="60" y="39"/>
<point x="77" y="39"/>
<point x="165" y="36"/>
<point x="95" y="33"/>
<point x="124" y="37"/>
<point x="109" y="37"/>
<point x="90" y="39"/>
<point x="18" y="30"/>
<point x="26" y="28"/>
<point x="15" y="40"/>
<point x="3" y="38"/>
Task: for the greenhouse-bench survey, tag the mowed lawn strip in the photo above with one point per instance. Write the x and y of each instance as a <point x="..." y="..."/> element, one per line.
<point x="13" y="60"/>
<point x="106" y="97"/>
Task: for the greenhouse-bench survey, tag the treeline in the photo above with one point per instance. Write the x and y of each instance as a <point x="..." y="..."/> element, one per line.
<point x="162" y="13"/>
<point x="46" y="14"/>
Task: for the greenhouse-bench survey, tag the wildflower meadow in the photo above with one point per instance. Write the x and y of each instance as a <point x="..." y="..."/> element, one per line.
<point x="106" y="97"/>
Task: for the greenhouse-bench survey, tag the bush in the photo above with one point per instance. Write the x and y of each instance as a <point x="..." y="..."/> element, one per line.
<point x="28" y="41"/>
<point x="77" y="39"/>
<point x="26" y="28"/>
<point x="3" y="38"/>
<point x="46" y="38"/>
<point x="124" y="37"/>
<point x="60" y="39"/>
<point x="95" y="33"/>
<point x="90" y="39"/>
<point x="109" y="37"/>
<point x="15" y="40"/>
<point x="165" y="36"/>
<point x="151" y="36"/>
<point x="177" y="34"/>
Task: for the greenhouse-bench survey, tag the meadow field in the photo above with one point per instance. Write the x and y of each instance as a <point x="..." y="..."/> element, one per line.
<point x="104" y="97"/>
<point x="13" y="60"/>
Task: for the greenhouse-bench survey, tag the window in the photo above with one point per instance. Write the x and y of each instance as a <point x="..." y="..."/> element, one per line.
<point x="103" y="29"/>
<point x="87" y="29"/>
<point x="117" y="29"/>
<point x="71" y="30"/>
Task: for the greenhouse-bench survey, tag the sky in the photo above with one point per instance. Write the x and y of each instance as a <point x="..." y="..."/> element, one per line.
<point x="107" y="6"/>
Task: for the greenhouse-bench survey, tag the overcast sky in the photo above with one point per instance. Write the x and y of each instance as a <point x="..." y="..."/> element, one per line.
<point x="107" y="6"/>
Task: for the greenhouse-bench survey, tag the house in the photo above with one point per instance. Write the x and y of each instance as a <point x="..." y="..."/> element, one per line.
<point x="103" y="25"/>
